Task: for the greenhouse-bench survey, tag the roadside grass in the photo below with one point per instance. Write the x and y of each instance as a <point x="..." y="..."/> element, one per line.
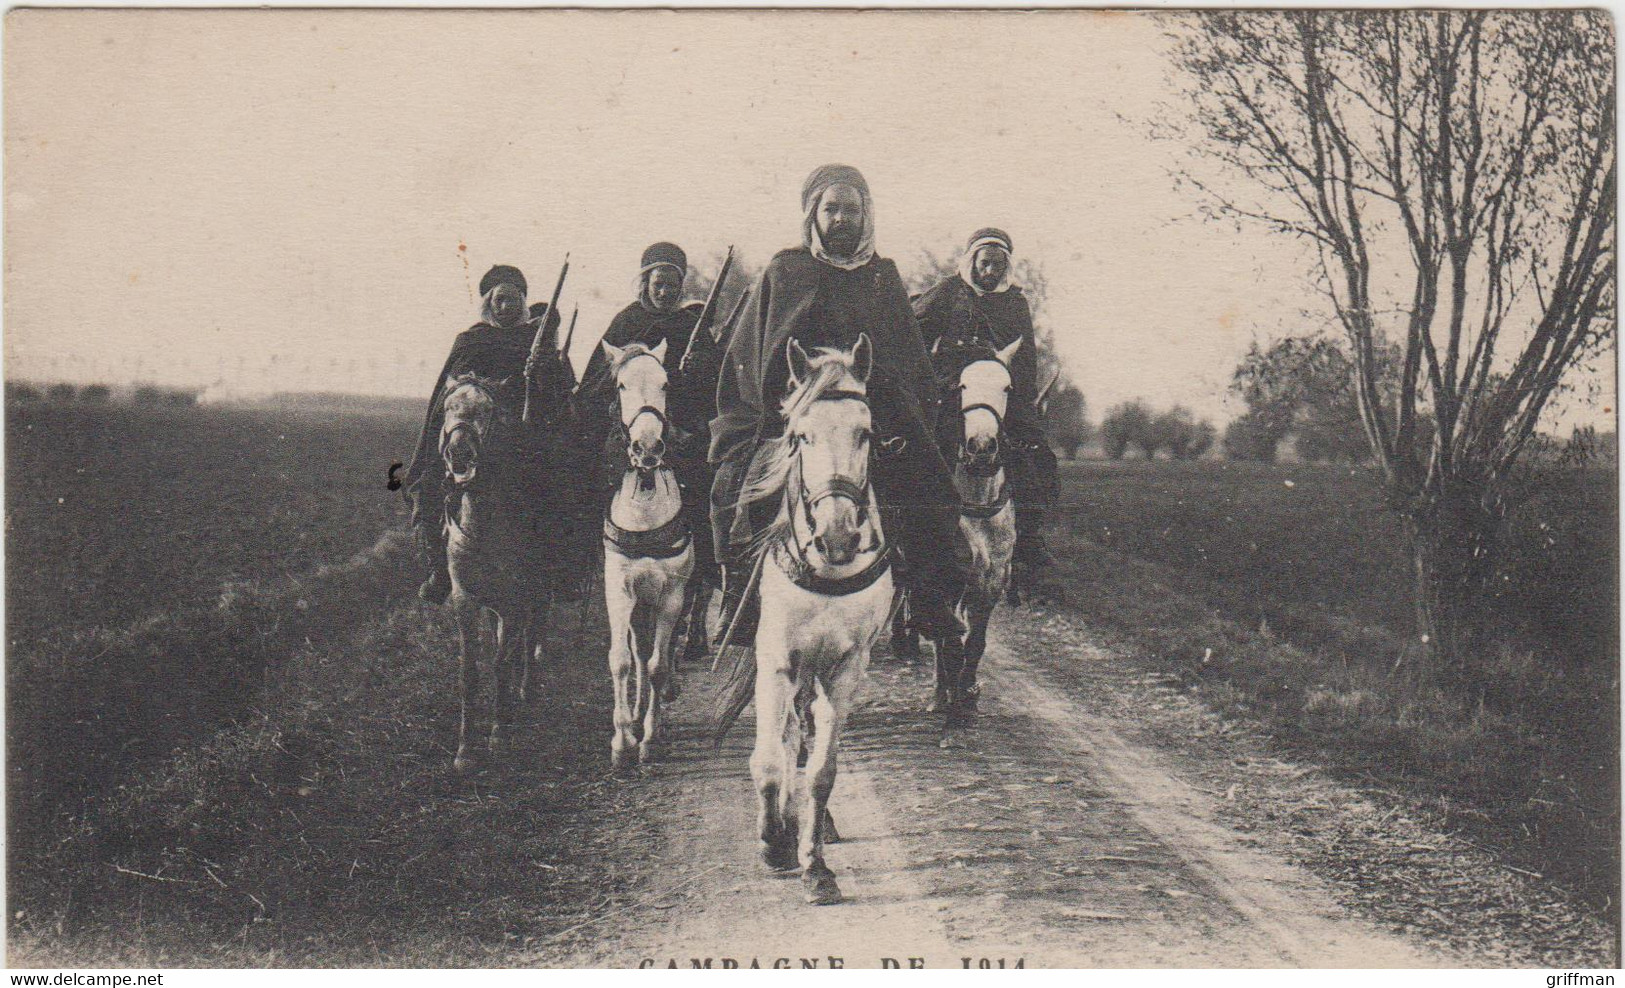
<point x="326" y="828"/>
<point x="153" y="560"/>
<point x="234" y="754"/>
<point x="1289" y="604"/>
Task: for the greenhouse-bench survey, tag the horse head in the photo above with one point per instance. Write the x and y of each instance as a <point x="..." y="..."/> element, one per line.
<point x="827" y="422"/>
<point x="472" y="410"/>
<point x="984" y="397"/>
<point x="640" y="390"/>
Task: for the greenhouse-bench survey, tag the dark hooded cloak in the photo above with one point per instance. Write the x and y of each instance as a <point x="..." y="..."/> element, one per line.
<point x="954" y="314"/>
<point x="821" y="305"/>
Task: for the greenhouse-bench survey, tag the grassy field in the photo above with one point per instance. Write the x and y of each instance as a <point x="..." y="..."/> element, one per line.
<point x="229" y="721"/>
<point x="1282" y="592"/>
<point x="142" y="546"/>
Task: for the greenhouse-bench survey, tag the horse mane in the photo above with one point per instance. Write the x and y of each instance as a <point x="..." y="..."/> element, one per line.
<point x="773" y="463"/>
<point x="627" y="353"/>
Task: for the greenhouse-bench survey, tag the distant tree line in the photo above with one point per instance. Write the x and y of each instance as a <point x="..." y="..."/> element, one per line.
<point x="1134" y="426"/>
<point x="21" y="392"/>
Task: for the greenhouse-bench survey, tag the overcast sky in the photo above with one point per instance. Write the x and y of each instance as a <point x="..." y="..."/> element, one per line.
<point x="283" y="199"/>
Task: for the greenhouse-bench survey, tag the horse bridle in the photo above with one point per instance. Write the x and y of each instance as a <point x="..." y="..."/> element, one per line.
<point x="660" y="443"/>
<point x="477" y="436"/>
<point x="987" y="465"/>
<point x="854" y="490"/>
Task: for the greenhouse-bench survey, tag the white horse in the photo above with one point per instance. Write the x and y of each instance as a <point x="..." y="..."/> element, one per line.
<point x="648" y="555"/>
<point x="987" y="522"/>
<point x="826" y="590"/>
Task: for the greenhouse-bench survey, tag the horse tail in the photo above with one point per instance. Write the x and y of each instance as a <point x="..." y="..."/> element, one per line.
<point x="736" y="693"/>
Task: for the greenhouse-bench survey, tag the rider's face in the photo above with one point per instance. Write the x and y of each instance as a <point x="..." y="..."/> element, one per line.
<point x="665" y="288"/>
<point x="840" y="220"/>
<point x="507" y="305"/>
<point x="989" y="267"/>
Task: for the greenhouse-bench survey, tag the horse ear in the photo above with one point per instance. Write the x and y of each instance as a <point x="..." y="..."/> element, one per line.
<point x="611" y="351"/>
<point x="800" y="363"/>
<point x="862" y="358"/>
<point x="1008" y="353"/>
<point x="659" y="351"/>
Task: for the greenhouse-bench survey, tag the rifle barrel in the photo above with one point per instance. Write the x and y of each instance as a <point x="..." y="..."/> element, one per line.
<point x="541" y="334"/>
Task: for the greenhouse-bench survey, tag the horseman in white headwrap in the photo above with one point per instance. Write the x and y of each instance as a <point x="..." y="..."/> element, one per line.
<point x="825" y="293"/>
<point x="980" y="305"/>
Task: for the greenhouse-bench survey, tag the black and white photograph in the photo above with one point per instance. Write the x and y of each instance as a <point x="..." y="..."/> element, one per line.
<point x="811" y="489"/>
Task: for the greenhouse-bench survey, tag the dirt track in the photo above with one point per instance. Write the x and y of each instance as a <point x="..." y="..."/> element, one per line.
<point x="1049" y="835"/>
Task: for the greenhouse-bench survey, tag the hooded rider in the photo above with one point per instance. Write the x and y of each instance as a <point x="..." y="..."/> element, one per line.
<point x="496" y="348"/>
<point x="659" y="313"/>
<point x="825" y="293"/>
<point x="981" y="305"/>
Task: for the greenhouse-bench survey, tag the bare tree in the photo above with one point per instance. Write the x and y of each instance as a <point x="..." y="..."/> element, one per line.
<point x="1454" y="172"/>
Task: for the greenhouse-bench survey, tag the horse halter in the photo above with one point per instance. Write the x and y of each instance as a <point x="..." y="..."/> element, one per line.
<point x="659" y="448"/>
<point x="476" y="436"/>
<point x="985" y="464"/>
<point x="854" y="490"/>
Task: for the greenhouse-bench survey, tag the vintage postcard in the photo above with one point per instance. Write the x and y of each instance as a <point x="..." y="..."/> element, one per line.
<point x="811" y="489"/>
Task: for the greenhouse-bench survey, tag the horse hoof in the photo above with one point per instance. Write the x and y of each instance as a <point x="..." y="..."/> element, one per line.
<point x="650" y="751"/>
<point x="821" y="888"/>
<point x="939" y="703"/>
<point x="620" y="757"/>
<point x="829" y="834"/>
<point x="780" y="859"/>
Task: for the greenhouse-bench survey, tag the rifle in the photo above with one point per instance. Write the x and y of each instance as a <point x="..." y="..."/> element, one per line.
<point x="733" y="317"/>
<point x="1043" y="395"/>
<point x="564" y="351"/>
<point x="541" y="333"/>
<point x="709" y="313"/>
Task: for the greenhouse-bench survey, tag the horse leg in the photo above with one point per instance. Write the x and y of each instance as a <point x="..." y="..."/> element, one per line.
<point x="771" y="769"/>
<point x="696" y="639"/>
<point x="829" y="708"/>
<point x="683" y="630"/>
<point x="950" y="661"/>
<point x="905" y="641"/>
<point x="621" y="662"/>
<point x="660" y="672"/>
<point x="468" y="643"/>
<point x="531" y="648"/>
<point x="967" y="688"/>
<point x="503" y="669"/>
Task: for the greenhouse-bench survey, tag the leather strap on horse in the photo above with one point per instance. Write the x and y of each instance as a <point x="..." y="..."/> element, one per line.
<point x="664" y="542"/>
<point x="803" y="576"/>
<point x="987" y="510"/>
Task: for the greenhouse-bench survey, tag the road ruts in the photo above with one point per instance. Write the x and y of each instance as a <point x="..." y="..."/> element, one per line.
<point x="1040" y="837"/>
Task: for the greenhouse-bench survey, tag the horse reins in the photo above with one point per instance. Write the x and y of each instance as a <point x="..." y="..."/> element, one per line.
<point x="984" y="466"/>
<point x="669" y="539"/>
<point x="796" y="566"/>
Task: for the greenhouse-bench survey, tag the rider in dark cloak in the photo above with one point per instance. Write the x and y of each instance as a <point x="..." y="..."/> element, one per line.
<point x="825" y="293"/>
<point x="658" y="313"/>
<point x="497" y="348"/>
<point x="980" y="306"/>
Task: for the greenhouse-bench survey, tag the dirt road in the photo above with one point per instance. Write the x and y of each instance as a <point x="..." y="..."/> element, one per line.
<point x="1073" y="826"/>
